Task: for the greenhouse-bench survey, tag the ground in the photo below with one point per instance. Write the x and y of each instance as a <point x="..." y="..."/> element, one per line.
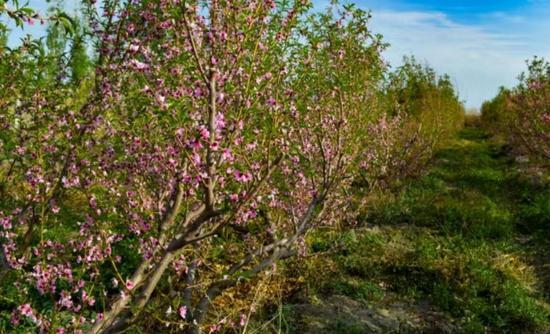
<point x="465" y="248"/>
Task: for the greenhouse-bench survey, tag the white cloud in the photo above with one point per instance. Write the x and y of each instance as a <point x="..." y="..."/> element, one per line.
<point x="480" y="57"/>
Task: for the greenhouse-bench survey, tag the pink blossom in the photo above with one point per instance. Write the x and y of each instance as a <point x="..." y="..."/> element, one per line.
<point x="27" y="311"/>
<point x="146" y="89"/>
<point x="271" y="101"/>
<point x="137" y="65"/>
<point x="129" y="284"/>
<point x="161" y="100"/>
<point x="5" y="222"/>
<point x="133" y="48"/>
<point x="180" y="132"/>
<point x="227" y="155"/>
<point x="242" y="321"/>
<point x="251" y="146"/>
<point x="215" y="328"/>
<point x="55" y="208"/>
<point x="204" y="133"/>
<point x="66" y="300"/>
<point x="182" y="311"/>
<point x="242" y="177"/>
<point x="220" y="122"/>
<point x="15" y="319"/>
<point x="196" y="158"/>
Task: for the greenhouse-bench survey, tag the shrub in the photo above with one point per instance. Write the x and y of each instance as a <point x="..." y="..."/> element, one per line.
<point x="522" y="115"/>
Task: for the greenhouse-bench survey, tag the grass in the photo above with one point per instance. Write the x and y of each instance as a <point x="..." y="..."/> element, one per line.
<point x="471" y="237"/>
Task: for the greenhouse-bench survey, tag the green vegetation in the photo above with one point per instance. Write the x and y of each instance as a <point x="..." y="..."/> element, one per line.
<point x="159" y="158"/>
<point x="470" y="238"/>
<point x="178" y="166"/>
<point x="520" y="116"/>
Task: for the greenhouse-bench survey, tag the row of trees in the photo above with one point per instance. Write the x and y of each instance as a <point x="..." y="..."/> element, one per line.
<point x="521" y="115"/>
<point x="160" y="153"/>
<point x="419" y="112"/>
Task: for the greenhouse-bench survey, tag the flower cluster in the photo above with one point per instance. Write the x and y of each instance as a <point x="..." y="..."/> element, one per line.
<point x="203" y="142"/>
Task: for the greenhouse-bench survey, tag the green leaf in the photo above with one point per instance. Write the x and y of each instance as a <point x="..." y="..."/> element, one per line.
<point x="67" y="22"/>
<point x="27" y="10"/>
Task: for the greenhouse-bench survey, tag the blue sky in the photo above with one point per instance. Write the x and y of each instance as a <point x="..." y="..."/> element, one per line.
<point x="481" y="44"/>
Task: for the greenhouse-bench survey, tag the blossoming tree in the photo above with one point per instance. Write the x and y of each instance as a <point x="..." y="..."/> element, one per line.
<point x="204" y="143"/>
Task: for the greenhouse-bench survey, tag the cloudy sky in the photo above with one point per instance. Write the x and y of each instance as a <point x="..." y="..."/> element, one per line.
<point x="482" y="44"/>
